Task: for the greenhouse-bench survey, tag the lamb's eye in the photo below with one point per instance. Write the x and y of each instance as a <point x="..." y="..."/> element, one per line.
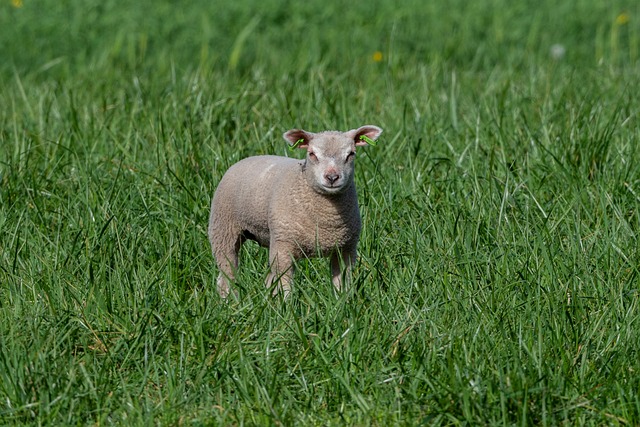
<point x="313" y="157"/>
<point x="351" y="156"/>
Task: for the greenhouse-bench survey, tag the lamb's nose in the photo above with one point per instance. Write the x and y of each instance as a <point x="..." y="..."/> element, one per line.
<point x="332" y="177"/>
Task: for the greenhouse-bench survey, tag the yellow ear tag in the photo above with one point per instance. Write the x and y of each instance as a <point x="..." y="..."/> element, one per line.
<point x="294" y="146"/>
<point x="368" y="140"/>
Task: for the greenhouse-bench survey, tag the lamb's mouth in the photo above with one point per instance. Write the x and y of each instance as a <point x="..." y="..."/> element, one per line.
<point x="332" y="188"/>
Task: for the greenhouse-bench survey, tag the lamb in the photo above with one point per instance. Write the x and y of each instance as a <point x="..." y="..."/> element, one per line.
<point x="296" y="208"/>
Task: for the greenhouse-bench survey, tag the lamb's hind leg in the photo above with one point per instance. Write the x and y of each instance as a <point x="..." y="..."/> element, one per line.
<point x="225" y="250"/>
<point x="339" y="261"/>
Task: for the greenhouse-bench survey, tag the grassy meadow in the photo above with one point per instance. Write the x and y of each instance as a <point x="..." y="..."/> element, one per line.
<point x="499" y="273"/>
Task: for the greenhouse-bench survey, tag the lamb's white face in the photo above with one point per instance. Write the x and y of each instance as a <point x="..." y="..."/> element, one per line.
<point x="330" y="160"/>
<point x="331" y="155"/>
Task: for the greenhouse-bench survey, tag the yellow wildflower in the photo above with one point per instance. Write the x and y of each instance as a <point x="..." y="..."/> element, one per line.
<point x="16" y="3"/>
<point x="377" y="56"/>
<point x="622" y="19"/>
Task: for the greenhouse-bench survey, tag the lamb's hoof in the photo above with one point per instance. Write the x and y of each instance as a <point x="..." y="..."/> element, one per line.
<point x="224" y="290"/>
<point x="280" y="292"/>
<point x="230" y="295"/>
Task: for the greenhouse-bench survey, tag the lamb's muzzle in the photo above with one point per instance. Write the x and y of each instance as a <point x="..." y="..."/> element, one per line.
<point x="296" y="208"/>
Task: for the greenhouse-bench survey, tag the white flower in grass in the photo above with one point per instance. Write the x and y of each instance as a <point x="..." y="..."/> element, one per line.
<point x="557" y="51"/>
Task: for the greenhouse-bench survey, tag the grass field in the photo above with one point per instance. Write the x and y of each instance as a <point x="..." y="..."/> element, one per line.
<point x="499" y="270"/>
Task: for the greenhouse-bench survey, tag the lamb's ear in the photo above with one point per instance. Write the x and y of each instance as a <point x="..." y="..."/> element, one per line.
<point x="298" y="138"/>
<point x="365" y="135"/>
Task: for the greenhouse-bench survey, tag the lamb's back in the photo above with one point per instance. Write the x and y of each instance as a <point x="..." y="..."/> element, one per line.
<point x="245" y="191"/>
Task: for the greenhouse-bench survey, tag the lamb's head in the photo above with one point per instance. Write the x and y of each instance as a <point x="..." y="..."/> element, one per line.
<point x="330" y="155"/>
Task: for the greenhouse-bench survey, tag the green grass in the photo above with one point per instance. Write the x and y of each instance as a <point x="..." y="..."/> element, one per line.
<point x="498" y="280"/>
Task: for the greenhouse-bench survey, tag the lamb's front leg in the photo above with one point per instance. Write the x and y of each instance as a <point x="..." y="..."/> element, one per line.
<point x="281" y="264"/>
<point x="339" y="261"/>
